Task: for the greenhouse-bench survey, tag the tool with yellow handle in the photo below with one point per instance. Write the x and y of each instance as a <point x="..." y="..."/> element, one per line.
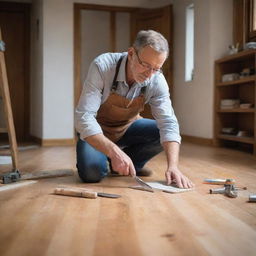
<point x="80" y="192"/>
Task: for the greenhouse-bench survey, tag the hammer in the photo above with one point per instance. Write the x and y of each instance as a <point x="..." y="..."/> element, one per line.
<point x="229" y="189"/>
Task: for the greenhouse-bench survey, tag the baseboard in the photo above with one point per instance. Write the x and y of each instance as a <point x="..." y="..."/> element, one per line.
<point x="197" y="140"/>
<point x="71" y="142"/>
<point x="54" y="142"/>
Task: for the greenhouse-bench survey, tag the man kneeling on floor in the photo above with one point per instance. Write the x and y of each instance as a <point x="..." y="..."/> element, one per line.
<point x="108" y="120"/>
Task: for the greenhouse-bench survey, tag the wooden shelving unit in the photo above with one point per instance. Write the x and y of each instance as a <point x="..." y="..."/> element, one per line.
<point x="241" y="119"/>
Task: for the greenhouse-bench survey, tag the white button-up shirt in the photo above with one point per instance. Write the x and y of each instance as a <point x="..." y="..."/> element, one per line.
<point x="97" y="88"/>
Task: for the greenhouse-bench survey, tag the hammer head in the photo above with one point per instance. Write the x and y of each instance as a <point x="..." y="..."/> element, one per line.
<point x="230" y="190"/>
<point x="11" y="177"/>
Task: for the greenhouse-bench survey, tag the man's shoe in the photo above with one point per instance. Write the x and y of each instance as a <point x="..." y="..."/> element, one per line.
<point x="114" y="173"/>
<point x="144" y="172"/>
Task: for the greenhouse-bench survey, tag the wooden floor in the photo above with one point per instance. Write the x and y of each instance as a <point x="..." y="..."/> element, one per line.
<point x="33" y="221"/>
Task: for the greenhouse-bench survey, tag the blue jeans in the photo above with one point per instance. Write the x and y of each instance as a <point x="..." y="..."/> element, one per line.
<point x="141" y="142"/>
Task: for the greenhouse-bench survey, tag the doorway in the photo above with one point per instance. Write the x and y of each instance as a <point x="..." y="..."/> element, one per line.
<point x="118" y="26"/>
<point x="110" y="33"/>
<point x="15" y="28"/>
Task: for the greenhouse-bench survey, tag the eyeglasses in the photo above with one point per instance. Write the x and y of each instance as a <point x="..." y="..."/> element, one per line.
<point x="147" y="66"/>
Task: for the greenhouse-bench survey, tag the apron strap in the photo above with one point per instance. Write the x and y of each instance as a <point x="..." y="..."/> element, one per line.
<point x="115" y="83"/>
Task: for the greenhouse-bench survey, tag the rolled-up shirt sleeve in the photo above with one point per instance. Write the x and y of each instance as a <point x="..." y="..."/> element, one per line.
<point x="89" y="103"/>
<point x="163" y="112"/>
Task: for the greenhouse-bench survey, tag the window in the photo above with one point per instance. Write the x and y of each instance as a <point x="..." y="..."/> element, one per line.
<point x="189" y="69"/>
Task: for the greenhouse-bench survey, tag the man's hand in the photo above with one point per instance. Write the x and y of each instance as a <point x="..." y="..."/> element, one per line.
<point x="173" y="174"/>
<point x="122" y="163"/>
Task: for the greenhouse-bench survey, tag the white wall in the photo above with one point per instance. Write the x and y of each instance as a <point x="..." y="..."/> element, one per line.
<point x="122" y="31"/>
<point x="52" y="87"/>
<point x="97" y="40"/>
<point x="93" y="41"/>
<point x="193" y="101"/>
<point x="57" y="69"/>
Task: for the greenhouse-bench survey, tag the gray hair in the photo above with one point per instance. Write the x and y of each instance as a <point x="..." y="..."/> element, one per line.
<point x="153" y="39"/>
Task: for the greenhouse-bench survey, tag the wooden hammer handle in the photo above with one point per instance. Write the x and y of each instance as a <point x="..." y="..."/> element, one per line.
<point x="75" y="192"/>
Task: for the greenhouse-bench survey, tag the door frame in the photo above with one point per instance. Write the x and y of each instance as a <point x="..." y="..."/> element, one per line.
<point x="24" y="8"/>
<point x="167" y="11"/>
<point x="77" y="37"/>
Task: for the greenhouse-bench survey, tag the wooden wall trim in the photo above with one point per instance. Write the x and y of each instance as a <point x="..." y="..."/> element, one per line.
<point x="104" y="7"/>
<point x="239" y="23"/>
<point x="242" y="22"/>
<point x="197" y="140"/>
<point x="77" y="53"/>
<point x="54" y="142"/>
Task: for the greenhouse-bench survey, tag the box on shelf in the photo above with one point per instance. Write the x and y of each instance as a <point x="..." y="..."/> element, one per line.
<point x="230" y="77"/>
<point x="229" y="130"/>
<point x="247" y="72"/>
<point x="246" y="105"/>
<point x="244" y="134"/>
<point x="229" y="103"/>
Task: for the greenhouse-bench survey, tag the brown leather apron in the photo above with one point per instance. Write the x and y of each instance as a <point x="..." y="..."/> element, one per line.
<point x="117" y="113"/>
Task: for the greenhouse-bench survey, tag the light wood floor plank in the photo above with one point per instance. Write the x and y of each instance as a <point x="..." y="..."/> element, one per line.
<point x="34" y="221"/>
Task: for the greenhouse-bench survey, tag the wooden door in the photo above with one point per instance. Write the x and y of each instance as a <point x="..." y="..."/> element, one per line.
<point x="15" y="23"/>
<point x="160" y="20"/>
<point x="78" y="8"/>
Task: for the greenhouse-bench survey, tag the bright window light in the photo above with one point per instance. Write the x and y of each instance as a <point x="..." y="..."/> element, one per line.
<point x="189" y="72"/>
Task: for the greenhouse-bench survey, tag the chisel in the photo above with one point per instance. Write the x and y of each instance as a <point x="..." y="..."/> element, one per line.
<point x="79" y="192"/>
<point x="143" y="183"/>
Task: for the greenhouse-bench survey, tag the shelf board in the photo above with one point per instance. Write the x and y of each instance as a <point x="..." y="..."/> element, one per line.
<point x="239" y="81"/>
<point x="237" y="110"/>
<point x="249" y="140"/>
<point x="240" y="56"/>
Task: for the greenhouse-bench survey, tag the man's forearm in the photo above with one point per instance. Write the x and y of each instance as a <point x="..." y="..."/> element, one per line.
<point x="172" y="150"/>
<point x="173" y="174"/>
<point x="119" y="160"/>
<point x="102" y="144"/>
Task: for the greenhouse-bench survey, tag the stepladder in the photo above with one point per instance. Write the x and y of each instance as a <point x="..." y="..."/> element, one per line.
<point x="9" y="128"/>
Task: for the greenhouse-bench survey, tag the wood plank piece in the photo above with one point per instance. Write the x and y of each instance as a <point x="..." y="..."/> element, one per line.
<point x="44" y="174"/>
<point x="16" y="185"/>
